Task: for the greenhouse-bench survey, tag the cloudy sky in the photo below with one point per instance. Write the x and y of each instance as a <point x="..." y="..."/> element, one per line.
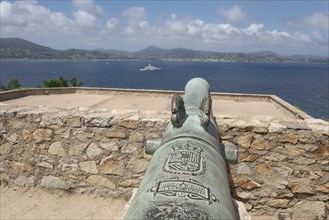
<point x="284" y="27"/>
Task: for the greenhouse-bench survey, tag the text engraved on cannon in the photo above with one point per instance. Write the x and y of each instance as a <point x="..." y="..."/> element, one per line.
<point x="184" y="188"/>
<point x="185" y="159"/>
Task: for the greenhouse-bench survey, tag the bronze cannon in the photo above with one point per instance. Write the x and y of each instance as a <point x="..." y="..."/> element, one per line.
<point x="186" y="177"/>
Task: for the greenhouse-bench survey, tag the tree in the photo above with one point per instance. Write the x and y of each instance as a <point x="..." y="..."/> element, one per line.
<point x="74" y="82"/>
<point x="13" y="84"/>
<point x="62" y="82"/>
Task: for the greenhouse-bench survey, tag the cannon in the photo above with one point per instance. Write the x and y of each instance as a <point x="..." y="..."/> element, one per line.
<point x="187" y="175"/>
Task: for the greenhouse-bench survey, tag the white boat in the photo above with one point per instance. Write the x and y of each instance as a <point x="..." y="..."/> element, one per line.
<point x="150" y="68"/>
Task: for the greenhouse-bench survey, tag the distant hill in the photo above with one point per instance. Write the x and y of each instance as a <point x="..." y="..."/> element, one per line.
<point x="15" y="48"/>
<point x="264" y="53"/>
<point x="151" y="51"/>
<point x="118" y="52"/>
<point x="154" y="51"/>
<point x="22" y="45"/>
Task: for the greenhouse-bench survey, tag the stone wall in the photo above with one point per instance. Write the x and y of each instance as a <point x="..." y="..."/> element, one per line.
<point x="282" y="169"/>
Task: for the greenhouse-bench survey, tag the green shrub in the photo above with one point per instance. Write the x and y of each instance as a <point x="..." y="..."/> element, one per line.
<point x="13" y="84"/>
<point x="62" y="82"/>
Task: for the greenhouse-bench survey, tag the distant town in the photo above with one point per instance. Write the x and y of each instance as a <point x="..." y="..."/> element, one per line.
<point x="15" y="48"/>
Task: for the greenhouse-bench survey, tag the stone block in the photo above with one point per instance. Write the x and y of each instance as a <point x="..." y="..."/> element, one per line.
<point x="26" y="135"/>
<point x="6" y="148"/>
<point x="110" y="146"/>
<point x="304" y="161"/>
<point x="239" y="125"/>
<point x="283" y="171"/>
<point x="12" y="138"/>
<point x="51" y="119"/>
<point x="83" y="135"/>
<point x="322" y="152"/>
<point x="248" y="157"/>
<point x="112" y="165"/>
<point x="93" y="150"/>
<point x="293" y="150"/>
<point x="136" y="137"/>
<point x="57" y="148"/>
<point x="276" y="128"/>
<point x="260" y="144"/>
<point x="66" y="134"/>
<point x="45" y="165"/>
<point x="19" y="167"/>
<point x="296" y="126"/>
<point x="300" y="185"/>
<point x="25" y="181"/>
<point x="247" y="184"/>
<point x="121" y="134"/>
<point x="275" y="203"/>
<point x="277" y="182"/>
<point x="68" y="165"/>
<point x="42" y="135"/>
<point x="243" y="168"/>
<point x="73" y="121"/>
<point x="94" y="120"/>
<point x="259" y="127"/>
<point x="95" y="180"/>
<point x="55" y="183"/>
<point x="307" y="137"/>
<point x="131" y="122"/>
<point x="289" y="137"/>
<point x="276" y="157"/>
<point x="88" y="167"/>
<point x="309" y="210"/>
<point x="244" y="141"/>
<point x="263" y="168"/>
<point x="137" y="166"/>
<point x="77" y="149"/>
<point x="244" y="195"/>
<point x="131" y="183"/>
<point x="323" y="188"/>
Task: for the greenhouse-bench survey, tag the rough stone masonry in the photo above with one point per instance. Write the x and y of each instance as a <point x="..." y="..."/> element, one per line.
<point x="283" y="166"/>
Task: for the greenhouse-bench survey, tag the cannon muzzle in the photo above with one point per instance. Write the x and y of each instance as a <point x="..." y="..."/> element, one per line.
<point x="186" y="177"/>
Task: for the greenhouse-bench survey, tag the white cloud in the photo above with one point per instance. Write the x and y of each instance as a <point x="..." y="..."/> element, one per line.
<point x="234" y="14"/>
<point x="5" y="10"/>
<point x="253" y="29"/>
<point x="276" y="33"/>
<point x="319" y="20"/>
<point x="85" y="19"/>
<point x="112" y="23"/>
<point x="302" y="37"/>
<point x="143" y="24"/>
<point x="316" y="21"/>
<point x="23" y="17"/>
<point x="176" y="25"/>
<point x="130" y="30"/>
<point x="88" y="6"/>
<point x="133" y="30"/>
<point x="136" y="13"/>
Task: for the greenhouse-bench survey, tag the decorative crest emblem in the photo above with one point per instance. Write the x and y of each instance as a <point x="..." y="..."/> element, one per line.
<point x="185" y="159"/>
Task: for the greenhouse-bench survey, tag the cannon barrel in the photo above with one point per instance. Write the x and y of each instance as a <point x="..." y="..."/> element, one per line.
<point x="186" y="177"/>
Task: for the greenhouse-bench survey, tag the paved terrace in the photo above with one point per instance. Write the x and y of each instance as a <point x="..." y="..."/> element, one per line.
<point x="224" y="105"/>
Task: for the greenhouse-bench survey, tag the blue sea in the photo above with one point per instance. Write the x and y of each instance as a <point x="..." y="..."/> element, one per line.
<point x="302" y="85"/>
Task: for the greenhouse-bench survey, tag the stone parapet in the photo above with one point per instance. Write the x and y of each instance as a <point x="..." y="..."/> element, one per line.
<point x="279" y="103"/>
<point x="282" y="167"/>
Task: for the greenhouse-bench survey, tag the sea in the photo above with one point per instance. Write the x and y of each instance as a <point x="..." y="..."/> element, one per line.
<point x="302" y="85"/>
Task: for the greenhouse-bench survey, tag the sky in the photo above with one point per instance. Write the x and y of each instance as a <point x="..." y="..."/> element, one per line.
<point x="284" y="27"/>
